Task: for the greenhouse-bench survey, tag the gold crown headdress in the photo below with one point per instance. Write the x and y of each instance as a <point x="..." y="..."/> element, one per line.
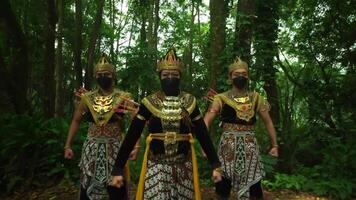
<point x="238" y="64"/>
<point x="104" y="65"/>
<point x="170" y="61"/>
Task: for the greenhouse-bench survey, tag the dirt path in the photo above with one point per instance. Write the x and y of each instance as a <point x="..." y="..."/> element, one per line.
<point x="61" y="192"/>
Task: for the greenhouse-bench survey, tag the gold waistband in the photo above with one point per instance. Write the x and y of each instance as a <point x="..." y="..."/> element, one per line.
<point x="171" y="137"/>
<point x="237" y="127"/>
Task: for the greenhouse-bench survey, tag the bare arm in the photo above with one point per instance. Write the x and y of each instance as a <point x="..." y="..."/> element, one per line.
<point x="271" y="131"/>
<point x="211" y="114"/>
<point x="75" y="124"/>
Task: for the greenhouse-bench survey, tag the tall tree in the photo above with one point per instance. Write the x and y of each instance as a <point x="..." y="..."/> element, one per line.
<point x="142" y="9"/>
<point x="243" y="29"/>
<point x="188" y="52"/>
<point x="112" y="24"/>
<point x="19" y="64"/>
<point x="153" y="23"/>
<point x="93" y="41"/>
<point x="78" y="43"/>
<point x="218" y="14"/>
<point x="49" y="60"/>
<point x="59" y="106"/>
<point x="152" y="29"/>
<point x="156" y="24"/>
<point x="266" y="50"/>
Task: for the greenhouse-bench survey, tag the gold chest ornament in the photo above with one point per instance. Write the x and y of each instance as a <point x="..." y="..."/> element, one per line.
<point x="244" y="108"/>
<point x="102" y="107"/>
<point x="103" y="104"/>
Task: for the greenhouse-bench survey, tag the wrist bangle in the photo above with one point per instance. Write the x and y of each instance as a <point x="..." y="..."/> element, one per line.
<point x="218" y="169"/>
<point x="275" y="145"/>
<point x="67" y="147"/>
<point x="137" y="146"/>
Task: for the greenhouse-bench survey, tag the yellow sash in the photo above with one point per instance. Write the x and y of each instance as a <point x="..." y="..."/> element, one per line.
<point x="163" y="136"/>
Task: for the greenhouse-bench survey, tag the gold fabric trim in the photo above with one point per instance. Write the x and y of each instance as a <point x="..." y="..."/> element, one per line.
<point x="178" y="137"/>
<point x="197" y="117"/>
<point x="262" y="104"/>
<point x="244" y="111"/>
<point x="218" y="100"/>
<point x="91" y="99"/>
<point x="140" y="117"/>
<point x="154" y="104"/>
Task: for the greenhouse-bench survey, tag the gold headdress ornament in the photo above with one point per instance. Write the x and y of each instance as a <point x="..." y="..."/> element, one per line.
<point x="238" y="64"/>
<point x="170" y="61"/>
<point x="104" y="65"/>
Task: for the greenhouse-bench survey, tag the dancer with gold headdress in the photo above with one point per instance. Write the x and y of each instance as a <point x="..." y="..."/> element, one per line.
<point x="99" y="107"/>
<point x="238" y="148"/>
<point x="169" y="169"/>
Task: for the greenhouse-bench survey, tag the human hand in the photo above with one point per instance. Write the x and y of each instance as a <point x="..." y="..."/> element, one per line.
<point x="217" y="177"/>
<point x="274" y="151"/>
<point x="68" y="153"/>
<point x="133" y="154"/>
<point x="117" y="181"/>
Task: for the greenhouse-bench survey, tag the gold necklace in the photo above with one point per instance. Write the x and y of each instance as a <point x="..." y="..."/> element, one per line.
<point x="240" y="97"/>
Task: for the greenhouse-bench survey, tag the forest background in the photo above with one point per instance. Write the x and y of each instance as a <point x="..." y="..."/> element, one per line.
<point x="301" y="53"/>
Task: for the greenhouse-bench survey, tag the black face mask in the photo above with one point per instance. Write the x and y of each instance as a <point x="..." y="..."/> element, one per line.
<point x="240" y="82"/>
<point x="104" y="82"/>
<point x="170" y="86"/>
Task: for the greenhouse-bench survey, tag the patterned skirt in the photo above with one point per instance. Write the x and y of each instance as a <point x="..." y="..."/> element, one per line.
<point x="240" y="160"/>
<point x="96" y="164"/>
<point x="167" y="179"/>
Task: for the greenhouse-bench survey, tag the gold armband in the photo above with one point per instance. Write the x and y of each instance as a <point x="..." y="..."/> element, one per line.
<point x="140" y="117"/>
<point x="218" y="169"/>
<point x="197" y="117"/>
<point x="67" y="147"/>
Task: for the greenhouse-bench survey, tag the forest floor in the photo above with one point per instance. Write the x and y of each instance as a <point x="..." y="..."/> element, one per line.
<point x="61" y="192"/>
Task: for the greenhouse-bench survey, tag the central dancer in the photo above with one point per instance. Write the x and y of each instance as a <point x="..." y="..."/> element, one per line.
<point x="169" y="169"/>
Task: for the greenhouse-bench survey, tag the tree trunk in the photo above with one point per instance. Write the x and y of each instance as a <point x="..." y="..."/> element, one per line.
<point x="188" y="55"/>
<point x="150" y="23"/>
<point x="92" y="43"/>
<point x="218" y="14"/>
<point x="59" y="109"/>
<point x="143" y="35"/>
<point x="152" y="30"/>
<point x="6" y="105"/>
<point x="266" y="50"/>
<point x="19" y="71"/>
<point x="243" y="29"/>
<point x="112" y="24"/>
<point x="78" y="44"/>
<point x="156" y="25"/>
<point x="49" y="60"/>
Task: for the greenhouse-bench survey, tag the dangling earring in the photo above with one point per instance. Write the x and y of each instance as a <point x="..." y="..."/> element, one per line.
<point x="229" y="81"/>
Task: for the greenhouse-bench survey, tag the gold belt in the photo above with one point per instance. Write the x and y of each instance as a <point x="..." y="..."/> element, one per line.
<point x="169" y="137"/>
<point x="237" y="127"/>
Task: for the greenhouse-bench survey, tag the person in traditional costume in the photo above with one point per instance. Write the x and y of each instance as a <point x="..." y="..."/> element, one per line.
<point x="103" y="108"/>
<point x="238" y="149"/>
<point x="169" y="169"/>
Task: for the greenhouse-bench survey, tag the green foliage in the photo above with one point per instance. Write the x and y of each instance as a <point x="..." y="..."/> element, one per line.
<point x="313" y="59"/>
<point x="32" y="150"/>
<point x="310" y="180"/>
<point x="294" y="182"/>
